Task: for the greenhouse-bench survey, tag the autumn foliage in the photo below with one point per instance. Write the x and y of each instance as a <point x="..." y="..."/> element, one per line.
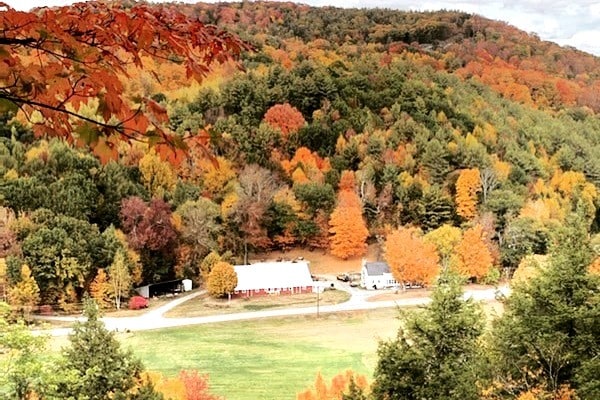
<point x="347" y="227"/>
<point x="222" y="279"/>
<point x="55" y="60"/>
<point x="474" y="259"/>
<point x="288" y="119"/>
<point x="468" y="185"/>
<point x="411" y="259"/>
<point x="339" y="386"/>
<point x="188" y="385"/>
<point x="306" y="166"/>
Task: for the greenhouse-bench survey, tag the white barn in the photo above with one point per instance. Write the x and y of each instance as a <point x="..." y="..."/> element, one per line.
<point x="376" y="275"/>
<point x="286" y="277"/>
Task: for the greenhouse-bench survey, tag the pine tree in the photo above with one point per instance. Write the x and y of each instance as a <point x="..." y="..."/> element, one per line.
<point x="102" y="370"/>
<point x="549" y="335"/>
<point x="436" y="353"/>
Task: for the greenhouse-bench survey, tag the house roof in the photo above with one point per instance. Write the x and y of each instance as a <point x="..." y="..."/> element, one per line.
<point x="376" y="268"/>
<point x="273" y="275"/>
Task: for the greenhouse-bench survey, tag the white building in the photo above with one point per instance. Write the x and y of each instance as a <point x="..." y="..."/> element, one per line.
<point x="286" y="277"/>
<point x="376" y="275"/>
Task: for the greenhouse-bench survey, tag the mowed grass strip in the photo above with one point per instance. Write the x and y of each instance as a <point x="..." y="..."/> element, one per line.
<point x="268" y="359"/>
<point x="206" y="305"/>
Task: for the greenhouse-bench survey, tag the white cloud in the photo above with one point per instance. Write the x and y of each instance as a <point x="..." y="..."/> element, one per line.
<point x="584" y="40"/>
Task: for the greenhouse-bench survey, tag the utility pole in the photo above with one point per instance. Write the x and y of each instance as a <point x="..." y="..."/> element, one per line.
<point x="318" y="295"/>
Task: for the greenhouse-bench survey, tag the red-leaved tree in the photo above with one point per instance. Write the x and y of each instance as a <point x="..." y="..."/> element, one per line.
<point x="288" y="119"/>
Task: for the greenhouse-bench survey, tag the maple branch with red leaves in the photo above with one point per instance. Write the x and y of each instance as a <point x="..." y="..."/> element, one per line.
<point x="52" y="58"/>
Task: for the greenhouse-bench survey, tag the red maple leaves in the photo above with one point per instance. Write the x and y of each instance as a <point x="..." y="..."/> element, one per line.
<point x="53" y="61"/>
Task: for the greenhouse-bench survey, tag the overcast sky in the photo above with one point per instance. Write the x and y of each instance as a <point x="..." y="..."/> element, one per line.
<point x="566" y="22"/>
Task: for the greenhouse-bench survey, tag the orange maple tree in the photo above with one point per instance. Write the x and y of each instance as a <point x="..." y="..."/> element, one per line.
<point x="347" y="226"/>
<point x="306" y="166"/>
<point x="474" y="259"/>
<point x="347" y="181"/>
<point x="410" y="258"/>
<point x="288" y="119"/>
<point x="339" y="386"/>
<point x="54" y="60"/>
<point x="468" y="185"/>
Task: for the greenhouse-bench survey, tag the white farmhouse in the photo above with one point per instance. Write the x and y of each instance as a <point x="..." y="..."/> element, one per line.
<point x="376" y="275"/>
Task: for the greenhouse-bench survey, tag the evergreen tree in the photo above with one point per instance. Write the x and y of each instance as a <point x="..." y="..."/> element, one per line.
<point x="436" y="352"/>
<point x="549" y="336"/>
<point x="102" y="369"/>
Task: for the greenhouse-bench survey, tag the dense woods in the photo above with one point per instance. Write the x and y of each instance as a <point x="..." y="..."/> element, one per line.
<point x="445" y="132"/>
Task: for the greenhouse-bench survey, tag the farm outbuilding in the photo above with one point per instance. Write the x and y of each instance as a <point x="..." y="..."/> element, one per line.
<point x="163" y="288"/>
<point x="376" y="275"/>
<point x="281" y="277"/>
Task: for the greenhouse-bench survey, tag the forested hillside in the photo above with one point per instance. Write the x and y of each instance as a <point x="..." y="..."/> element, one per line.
<point x="428" y="120"/>
<point x="135" y="147"/>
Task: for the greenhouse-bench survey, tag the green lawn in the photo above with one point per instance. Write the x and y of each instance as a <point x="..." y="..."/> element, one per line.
<point x="268" y="359"/>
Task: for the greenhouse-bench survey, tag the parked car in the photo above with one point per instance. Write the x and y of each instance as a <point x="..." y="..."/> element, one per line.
<point x="343" y="277"/>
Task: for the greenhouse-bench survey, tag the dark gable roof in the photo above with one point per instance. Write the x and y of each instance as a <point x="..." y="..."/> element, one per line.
<point x="377" y="268"/>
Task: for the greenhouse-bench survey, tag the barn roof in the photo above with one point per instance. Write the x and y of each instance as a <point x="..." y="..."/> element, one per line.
<point x="273" y="275"/>
<point x="376" y="268"/>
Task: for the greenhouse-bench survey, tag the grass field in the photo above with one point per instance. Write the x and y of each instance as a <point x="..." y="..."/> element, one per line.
<point x="268" y="359"/>
<point x="206" y="305"/>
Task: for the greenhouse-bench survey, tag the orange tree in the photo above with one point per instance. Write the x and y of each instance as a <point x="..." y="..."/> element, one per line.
<point x="410" y="258"/>
<point x="347" y="226"/>
<point x="473" y="257"/>
<point x="468" y="185"/>
<point x="54" y="60"/>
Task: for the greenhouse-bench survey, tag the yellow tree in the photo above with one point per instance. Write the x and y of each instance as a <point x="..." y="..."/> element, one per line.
<point x="3" y="279"/>
<point x="119" y="278"/>
<point x="473" y="258"/>
<point x="132" y="258"/>
<point x="158" y="175"/>
<point x="468" y="185"/>
<point x="100" y="289"/>
<point x="411" y="259"/>
<point x="25" y="295"/>
<point x="531" y="266"/>
<point x="222" y="280"/>
<point x="445" y="238"/>
<point x="217" y="177"/>
<point x="347" y="227"/>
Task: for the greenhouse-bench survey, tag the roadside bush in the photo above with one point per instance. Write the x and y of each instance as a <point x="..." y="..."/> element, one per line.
<point x="138" y="302"/>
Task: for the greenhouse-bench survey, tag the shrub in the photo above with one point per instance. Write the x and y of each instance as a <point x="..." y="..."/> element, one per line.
<point x="138" y="302"/>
